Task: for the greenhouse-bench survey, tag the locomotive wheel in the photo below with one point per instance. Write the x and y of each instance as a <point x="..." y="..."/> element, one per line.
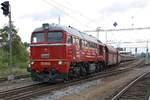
<point x="101" y="67"/>
<point x="82" y="70"/>
<point x="74" y="71"/>
<point x="87" y="68"/>
<point x="71" y="73"/>
<point x="34" y="77"/>
<point x="97" y="68"/>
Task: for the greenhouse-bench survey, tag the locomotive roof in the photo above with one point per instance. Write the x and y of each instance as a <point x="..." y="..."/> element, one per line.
<point x="111" y="49"/>
<point x="71" y="31"/>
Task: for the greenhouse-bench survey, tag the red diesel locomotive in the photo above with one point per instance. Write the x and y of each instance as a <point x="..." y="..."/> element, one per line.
<point x="59" y="52"/>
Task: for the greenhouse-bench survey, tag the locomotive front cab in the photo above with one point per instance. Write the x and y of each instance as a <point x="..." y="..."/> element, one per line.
<point x="48" y="55"/>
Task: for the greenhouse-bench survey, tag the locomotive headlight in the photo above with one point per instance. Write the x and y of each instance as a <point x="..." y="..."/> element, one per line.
<point x="32" y="63"/>
<point x="29" y="68"/>
<point x="60" y="62"/>
<point x="29" y="65"/>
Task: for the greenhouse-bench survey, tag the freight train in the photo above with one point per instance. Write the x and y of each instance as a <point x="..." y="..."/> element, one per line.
<point x="60" y="53"/>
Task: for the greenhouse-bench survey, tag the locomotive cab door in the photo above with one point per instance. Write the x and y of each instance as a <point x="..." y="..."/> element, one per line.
<point x="71" y="49"/>
<point x="100" y="50"/>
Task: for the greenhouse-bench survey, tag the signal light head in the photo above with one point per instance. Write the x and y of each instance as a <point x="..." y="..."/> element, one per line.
<point x="5" y="7"/>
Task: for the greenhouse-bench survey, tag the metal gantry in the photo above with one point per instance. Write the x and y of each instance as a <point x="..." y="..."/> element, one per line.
<point x="98" y="30"/>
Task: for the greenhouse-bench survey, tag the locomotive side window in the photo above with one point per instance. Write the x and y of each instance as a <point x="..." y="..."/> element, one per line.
<point x="55" y="37"/>
<point x="38" y="37"/>
<point x="70" y="40"/>
<point x="101" y="50"/>
<point x="84" y="43"/>
<point x="77" y="42"/>
<point x="74" y="40"/>
<point x="80" y="43"/>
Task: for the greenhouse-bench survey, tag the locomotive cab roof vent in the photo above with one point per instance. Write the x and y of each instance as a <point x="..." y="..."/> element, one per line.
<point x="45" y="26"/>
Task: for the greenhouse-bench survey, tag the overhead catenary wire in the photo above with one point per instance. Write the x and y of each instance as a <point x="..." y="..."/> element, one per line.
<point x="127" y="42"/>
<point x="90" y="21"/>
<point x="66" y="13"/>
<point x="123" y="29"/>
<point x="72" y="10"/>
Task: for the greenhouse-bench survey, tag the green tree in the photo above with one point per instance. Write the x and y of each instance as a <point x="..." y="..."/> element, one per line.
<point x="26" y="44"/>
<point x="19" y="50"/>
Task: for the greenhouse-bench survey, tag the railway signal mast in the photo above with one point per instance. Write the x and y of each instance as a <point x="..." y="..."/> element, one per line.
<point x="7" y="12"/>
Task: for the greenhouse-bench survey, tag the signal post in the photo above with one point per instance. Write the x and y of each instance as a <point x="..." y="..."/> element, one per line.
<point x="7" y="12"/>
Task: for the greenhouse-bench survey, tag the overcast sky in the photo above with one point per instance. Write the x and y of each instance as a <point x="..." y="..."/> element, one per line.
<point x="83" y="15"/>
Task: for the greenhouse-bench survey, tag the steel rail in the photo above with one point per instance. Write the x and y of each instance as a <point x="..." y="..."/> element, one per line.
<point x="27" y="92"/>
<point x="119" y="94"/>
<point x="15" y="77"/>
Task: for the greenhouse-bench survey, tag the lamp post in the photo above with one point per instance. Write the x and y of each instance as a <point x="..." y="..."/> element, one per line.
<point x="98" y="30"/>
<point x="147" y="48"/>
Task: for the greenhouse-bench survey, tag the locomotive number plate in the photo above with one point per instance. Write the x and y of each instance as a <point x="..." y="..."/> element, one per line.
<point x="45" y="63"/>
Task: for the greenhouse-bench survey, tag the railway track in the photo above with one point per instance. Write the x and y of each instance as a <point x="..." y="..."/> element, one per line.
<point x="28" y="75"/>
<point x="138" y="89"/>
<point x="15" y="77"/>
<point x="38" y="89"/>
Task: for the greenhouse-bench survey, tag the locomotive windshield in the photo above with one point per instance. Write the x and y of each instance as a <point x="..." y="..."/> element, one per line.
<point x="51" y="37"/>
<point x="55" y="37"/>
<point x="38" y="37"/>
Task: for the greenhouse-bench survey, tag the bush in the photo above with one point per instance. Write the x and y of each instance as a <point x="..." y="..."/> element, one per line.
<point x="20" y="57"/>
